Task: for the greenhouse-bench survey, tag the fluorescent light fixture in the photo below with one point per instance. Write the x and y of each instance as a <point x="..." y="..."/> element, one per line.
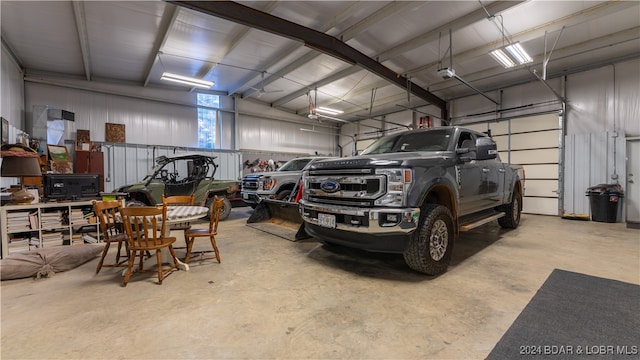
<point x="502" y="58"/>
<point x="187" y="80"/>
<point x="329" y="111"/>
<point x="314" y="131"/>
<point x="511" y="55"/>
<point x="516" y="51"/>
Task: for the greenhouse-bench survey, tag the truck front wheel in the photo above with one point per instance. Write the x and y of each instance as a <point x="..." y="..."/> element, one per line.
<point x="430" y="247"/>
<point x="283" y="195"/>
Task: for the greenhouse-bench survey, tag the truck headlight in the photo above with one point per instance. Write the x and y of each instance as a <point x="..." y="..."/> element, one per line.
<point x="398" y="183"/>
<point x="269" y="183"/>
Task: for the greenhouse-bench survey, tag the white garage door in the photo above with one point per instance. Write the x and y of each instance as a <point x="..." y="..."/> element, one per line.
<point x="531" y="142"/>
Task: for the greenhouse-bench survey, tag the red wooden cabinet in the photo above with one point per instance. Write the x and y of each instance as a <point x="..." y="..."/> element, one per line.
<point x="90" y="162"/>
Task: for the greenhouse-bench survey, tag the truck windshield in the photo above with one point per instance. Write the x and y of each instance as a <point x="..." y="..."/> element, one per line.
<point x="430" y="140"/>
<point x="294" y="165"/>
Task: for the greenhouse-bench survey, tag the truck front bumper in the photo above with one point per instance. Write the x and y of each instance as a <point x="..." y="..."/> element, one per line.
<point x="373" y="229"/>
<point x="250" y="198"/>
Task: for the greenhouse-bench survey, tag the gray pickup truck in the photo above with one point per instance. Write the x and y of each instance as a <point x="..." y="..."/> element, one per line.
<point x="411" y="193"/>
<point x="275" y="185"/>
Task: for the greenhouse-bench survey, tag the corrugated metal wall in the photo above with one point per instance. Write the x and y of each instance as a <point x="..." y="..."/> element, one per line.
<point x="145" y="121"/>
<point x="11" y="102"/>
<point x="285" y="137"/>
<point x="271" y="130"/>
<point x="12" y="90"/>
<point x="592" y="159"/>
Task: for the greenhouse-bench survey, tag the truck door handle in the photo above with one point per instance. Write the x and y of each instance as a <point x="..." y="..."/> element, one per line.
<point x="485" y="170"/>
<point x="501" y="170"/>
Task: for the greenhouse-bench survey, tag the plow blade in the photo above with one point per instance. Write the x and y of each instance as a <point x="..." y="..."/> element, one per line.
<point x="280" y="218"/>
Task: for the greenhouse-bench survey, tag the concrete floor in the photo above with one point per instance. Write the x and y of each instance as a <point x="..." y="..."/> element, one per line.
<point x="275" y="299"/>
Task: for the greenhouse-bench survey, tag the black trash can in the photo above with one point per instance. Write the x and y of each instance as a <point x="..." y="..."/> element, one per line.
<point x="604" y="200"/>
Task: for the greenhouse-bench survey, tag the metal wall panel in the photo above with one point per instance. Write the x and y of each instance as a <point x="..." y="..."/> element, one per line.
<point x="11" y="102"/>
<point x="145" y="121"/>
<point x="591" y="111"/>
<point x="627" y="108"/>
<point x="285" y="137"/>
<point x="12" y="90"/>
<point x="591" y="159"/>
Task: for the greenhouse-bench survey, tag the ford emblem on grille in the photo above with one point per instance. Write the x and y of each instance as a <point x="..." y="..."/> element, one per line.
<point x="330" y="186"/>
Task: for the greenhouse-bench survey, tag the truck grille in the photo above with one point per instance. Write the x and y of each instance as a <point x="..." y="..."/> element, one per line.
<point x="351" y="187"/>
<point x="250" y="185"/>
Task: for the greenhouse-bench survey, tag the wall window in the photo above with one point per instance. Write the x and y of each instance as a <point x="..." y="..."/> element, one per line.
<point x="207" y="120"/>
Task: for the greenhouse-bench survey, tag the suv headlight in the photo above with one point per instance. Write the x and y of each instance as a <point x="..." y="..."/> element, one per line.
<point x="398" y="184"/>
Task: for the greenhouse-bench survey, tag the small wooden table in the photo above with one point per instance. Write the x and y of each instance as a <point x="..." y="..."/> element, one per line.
<point x="182" y="214"/>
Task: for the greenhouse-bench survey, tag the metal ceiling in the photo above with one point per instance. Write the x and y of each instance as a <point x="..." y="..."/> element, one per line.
<point x="366" y="58"/>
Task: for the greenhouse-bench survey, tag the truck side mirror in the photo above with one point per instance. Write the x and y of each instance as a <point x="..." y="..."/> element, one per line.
<point x="486" y="149"/>
<point x="468" y="149"/>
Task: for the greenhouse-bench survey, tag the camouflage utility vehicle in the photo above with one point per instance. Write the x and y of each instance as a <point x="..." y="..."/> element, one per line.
<point x="183" y="175"/>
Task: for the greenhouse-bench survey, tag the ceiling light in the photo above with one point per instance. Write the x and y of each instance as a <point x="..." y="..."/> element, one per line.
<point x="329" y="111"/>
<point x="511" y="55"/>
<point x="187" y="80"/>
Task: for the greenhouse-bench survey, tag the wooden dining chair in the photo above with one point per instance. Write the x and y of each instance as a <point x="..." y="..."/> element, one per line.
<point x="210" y="232"/>
<point x="177" y="200"/>
<point x="112" y="232"/>
<point x="145" y="228"/>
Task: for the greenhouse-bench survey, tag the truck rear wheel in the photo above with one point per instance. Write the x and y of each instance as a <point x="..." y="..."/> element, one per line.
<point x="512" y="212"/>
<point x="430" y="247"/>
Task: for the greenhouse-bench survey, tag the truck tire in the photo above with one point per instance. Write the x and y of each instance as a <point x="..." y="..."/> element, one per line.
<point x="512" y="211"/>
<point x="431" y="245"/>
<point x="283" y="195"/>
<point x="226" y="208"/>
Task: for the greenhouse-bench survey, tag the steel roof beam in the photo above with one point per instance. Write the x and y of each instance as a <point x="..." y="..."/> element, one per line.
<point x="420" y="40"/>
<point x="314" y="39"/>
<point x="290" y="49"/>
<point x="166" y="23"/>
<point x="83" y="37"/>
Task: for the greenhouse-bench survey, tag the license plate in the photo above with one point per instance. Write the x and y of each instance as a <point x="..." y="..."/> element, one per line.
<point x="245" y="196"/>
<point x="327" y="220"/>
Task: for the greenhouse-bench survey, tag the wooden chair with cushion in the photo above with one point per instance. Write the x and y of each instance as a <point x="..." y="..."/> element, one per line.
<point x="145" y="228"/>
<point x="210" y="232"/>
<point x="112" y="231"/>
